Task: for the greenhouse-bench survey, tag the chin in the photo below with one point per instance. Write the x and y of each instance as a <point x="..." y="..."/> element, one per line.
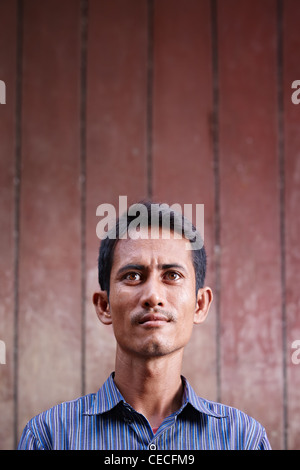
<point x="155" y="349"/>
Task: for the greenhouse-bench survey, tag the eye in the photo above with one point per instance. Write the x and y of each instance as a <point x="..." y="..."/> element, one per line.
<point x="172" y="276"/>
<point x="132" y="276"/>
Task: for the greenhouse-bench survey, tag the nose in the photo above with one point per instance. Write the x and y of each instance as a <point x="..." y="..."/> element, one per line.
<point x="152" y="294"/>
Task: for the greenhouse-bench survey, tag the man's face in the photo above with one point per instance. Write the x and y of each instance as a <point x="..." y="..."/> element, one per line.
<point x="152" y="302"/>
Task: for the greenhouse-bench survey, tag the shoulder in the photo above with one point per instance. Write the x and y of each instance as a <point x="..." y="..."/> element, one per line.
<point x="230" y="427"/>
<point x="39" y="431"/>
<point x="238" y="428"/>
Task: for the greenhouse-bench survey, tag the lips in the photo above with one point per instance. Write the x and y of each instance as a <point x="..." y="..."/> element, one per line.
<point x="153" y="318"/>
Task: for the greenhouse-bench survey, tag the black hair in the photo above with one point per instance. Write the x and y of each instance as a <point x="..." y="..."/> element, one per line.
<point x="162" y="216"/>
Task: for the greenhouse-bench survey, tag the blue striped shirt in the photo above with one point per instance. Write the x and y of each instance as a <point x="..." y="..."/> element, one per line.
<point x="104" y="421"/>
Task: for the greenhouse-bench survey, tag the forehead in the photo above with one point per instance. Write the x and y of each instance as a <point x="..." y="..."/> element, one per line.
<point x="149" y="250"/>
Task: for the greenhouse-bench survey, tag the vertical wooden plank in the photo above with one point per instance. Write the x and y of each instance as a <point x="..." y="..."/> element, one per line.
<point x="8" y="34"/>
<point x="116" y="143"/>
<point x="251" y="348"/>
<point x="182" y="159"/>
<point x="49" y="277"/>
<point x="291" y="63"/>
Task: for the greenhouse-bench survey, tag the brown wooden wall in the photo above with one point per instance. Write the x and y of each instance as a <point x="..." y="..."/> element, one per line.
<point x="185" y="101"/>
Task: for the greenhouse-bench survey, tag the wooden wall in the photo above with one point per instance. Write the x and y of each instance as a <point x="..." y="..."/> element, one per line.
<point x="185" y="101"/>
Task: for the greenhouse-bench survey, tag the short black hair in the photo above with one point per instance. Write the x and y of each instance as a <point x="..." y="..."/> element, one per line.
<point x="176" y="223"/>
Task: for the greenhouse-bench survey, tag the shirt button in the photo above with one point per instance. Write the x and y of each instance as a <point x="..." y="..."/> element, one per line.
<point x="152" y="446"/>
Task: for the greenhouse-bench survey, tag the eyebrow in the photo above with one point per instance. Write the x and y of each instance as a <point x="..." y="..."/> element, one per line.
<point x="141" y="267"/>
<point x="138" y="267"/>
<point x="172" y="265"/>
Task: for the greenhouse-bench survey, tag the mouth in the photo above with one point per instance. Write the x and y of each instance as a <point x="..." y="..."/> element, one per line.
<point x="153" y="320"/>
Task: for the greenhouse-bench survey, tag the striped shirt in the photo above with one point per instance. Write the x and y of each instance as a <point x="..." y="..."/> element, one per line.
<point x="104" y="421"/>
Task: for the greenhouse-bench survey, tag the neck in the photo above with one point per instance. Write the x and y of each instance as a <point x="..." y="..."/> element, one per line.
<point x="153" y="387"/>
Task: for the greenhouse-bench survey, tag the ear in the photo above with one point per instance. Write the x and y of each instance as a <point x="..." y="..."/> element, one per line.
<point x="100" y="300"/>
<point x="203" y="302"/>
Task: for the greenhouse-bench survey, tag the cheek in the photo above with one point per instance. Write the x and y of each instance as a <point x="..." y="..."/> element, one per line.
<point x="183" y="300"/>
<point x="121" y="304"/>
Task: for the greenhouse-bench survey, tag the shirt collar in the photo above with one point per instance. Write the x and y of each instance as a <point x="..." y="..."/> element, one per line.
<point x="203" y="406"/>
<point x="109" y="396"/>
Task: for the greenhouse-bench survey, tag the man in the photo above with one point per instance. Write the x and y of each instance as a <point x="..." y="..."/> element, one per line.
<point x="152" y="292"/>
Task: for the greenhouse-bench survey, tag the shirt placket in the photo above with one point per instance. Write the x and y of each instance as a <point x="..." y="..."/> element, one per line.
<point x="140" y="425"/>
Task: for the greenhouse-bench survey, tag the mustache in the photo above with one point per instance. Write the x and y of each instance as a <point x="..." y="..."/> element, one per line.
<point x="137" y="317"/>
